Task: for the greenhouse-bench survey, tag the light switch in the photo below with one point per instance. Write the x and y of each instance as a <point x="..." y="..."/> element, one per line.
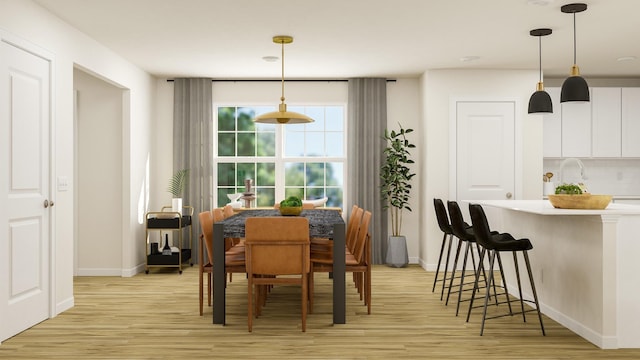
<point x="63" y="183"/>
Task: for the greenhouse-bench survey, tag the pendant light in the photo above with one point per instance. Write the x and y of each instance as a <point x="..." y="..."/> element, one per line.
<point x="540" y="101"/>
<point x="574" y="88"/>
<point x="282" y="116"/>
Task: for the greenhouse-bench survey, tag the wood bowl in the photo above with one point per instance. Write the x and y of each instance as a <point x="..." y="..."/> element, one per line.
<point x="290" y="210"/>
<point x="580" y="201"/>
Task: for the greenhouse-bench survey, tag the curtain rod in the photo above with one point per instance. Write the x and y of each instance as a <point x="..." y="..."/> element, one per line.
<point x="279" y="80"/>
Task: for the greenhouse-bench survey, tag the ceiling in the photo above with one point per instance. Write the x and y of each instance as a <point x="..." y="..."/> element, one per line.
<point x="227" y="39"/>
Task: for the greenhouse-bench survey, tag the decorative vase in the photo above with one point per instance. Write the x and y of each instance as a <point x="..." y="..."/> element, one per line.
<point x="166" y="250"/>
<point x="176" y="205"/>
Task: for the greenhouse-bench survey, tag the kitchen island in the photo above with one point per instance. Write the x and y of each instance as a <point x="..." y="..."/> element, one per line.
<point x="584" y="264"/>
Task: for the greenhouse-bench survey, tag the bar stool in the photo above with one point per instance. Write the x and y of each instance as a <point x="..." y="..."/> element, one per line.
<point x="494" y="245"/>
<point x="447" y="241"/>
<point x="465" y="233"/>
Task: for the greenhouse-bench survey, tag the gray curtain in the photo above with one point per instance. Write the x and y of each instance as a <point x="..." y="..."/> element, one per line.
<point x="193" y="144"/>
<point x="367" y="121"/>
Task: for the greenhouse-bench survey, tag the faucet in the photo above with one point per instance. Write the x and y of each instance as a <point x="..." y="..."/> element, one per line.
<point x="571" y="177"/>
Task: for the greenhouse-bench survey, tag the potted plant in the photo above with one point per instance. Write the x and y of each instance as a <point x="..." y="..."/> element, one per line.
<point x="177" y="183"/>
<point x="291" y="206"/>
<point x="396" y="189"/>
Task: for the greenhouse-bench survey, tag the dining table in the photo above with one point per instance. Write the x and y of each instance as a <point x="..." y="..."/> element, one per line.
<point x="323" y="223"/>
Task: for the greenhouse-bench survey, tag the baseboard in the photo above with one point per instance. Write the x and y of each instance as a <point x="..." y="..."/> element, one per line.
<point x="99" y="272"/>
<point x="64" y="305"/>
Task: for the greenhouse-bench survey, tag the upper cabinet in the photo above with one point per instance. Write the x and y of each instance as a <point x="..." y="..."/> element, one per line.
<point x="606" y="122"/>
<point x="576" y="129"/>
<point x="605" y="127"/>
<point x="630" y="122"/>
<point x="552" y="127"/>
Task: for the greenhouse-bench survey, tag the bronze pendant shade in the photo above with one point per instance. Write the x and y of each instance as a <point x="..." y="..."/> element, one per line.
<point x="282" y="116"/>
<point x="575" y="87"/>
<point x="540" y="101"/>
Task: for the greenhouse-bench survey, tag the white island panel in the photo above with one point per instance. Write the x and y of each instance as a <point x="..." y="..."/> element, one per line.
<point x="583" y="263"/>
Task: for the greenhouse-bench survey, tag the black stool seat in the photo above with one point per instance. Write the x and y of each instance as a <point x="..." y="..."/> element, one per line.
<point x="506" y="242"/>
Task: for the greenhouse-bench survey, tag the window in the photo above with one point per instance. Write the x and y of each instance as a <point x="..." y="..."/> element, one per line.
<point x="306" y="160"/>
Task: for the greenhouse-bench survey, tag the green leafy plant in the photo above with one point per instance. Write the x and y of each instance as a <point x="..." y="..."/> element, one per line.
<point x="178" y="182"/>
<point x="396" y="175"/>
<point x="570" y="189"/>
<point x="291" y="201"/>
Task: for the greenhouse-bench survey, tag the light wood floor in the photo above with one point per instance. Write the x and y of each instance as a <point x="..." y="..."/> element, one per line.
<point x="155" y="316"/>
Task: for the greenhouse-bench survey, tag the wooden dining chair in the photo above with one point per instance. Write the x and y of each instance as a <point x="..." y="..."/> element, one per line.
<point x="358" y="262"/>
<point x="234" y="261"/>
<point x="276" y="246"/>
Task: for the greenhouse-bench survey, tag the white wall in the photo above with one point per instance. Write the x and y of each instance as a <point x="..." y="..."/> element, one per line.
<point x="439" y="87"/>
<point x="99" y="174"/>
<point x="26" y="20"/>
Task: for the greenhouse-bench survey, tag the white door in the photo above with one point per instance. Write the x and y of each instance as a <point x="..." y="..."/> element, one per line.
<point x="24" y="188"/>
<point x="485" y="145"/>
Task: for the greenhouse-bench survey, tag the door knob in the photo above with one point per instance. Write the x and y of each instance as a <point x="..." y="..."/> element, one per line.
<point x="47" y="203"/>
<point x="509" y="195"/>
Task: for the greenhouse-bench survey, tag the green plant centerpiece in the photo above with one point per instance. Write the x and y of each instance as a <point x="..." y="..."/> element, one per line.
<point x="569" y="189"/>
<point x="177" y="184"/>
<point x="291" y="206"/>
<point x="396" y="176"/>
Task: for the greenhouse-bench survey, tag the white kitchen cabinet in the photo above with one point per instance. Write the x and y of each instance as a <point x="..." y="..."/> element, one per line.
<point x="576" y="129"/>
<point x="606" y="122"/>
<point x="552" y="127"/>
<point x="630" y="122"/>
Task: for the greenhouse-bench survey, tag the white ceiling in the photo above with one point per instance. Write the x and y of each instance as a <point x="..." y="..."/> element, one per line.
<point x="357" y="38"/>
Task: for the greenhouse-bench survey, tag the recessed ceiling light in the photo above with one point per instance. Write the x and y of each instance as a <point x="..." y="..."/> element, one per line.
<point x="627" y="58"/>
<point x="270" y="58"/>
<point x="539" y="2"/>
<point x="469" y="58"/>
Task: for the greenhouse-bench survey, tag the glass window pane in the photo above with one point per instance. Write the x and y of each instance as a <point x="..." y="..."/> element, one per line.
<point x="226" y="174"/>
<point x="293" y="174"/>
<point x="266" y="144"/>
<point x="266" y="196"/>
<point x="315" y="144"/>
<point x="226" y="144"/>
<point x="245" y="119"/>
<point x="335" y="144"/>
<point x="299" y="192"/>
<point x="246" y="171"/>
<point x="226" y="118"/>
<point x="294" y="144"/>
<point x="334" y="118"/>
<point x="315" y="174"/>
<point x="335" y="174"/>
<point x="315" y="193"/>
<point x="246" y="144"/>
<point x="266" y="174"/>
<point x="317" y="114"/>
<point x="334" y="196"/>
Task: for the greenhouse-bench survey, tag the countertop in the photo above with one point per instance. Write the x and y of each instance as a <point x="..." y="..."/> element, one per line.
<point x="544" y="207"/>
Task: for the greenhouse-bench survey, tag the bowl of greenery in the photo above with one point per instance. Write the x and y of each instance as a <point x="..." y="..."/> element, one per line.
<point x="291" y="206"/>
<point x="574" y="196"/>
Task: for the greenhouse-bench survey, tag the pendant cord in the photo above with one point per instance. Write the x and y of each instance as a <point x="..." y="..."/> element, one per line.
<point x="282" y="97"/>
<point x="540" y="56"/>
<point x="574" y="38"/>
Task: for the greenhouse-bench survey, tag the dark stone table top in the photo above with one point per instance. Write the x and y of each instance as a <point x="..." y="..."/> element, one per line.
<point x="321" y="221"/>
